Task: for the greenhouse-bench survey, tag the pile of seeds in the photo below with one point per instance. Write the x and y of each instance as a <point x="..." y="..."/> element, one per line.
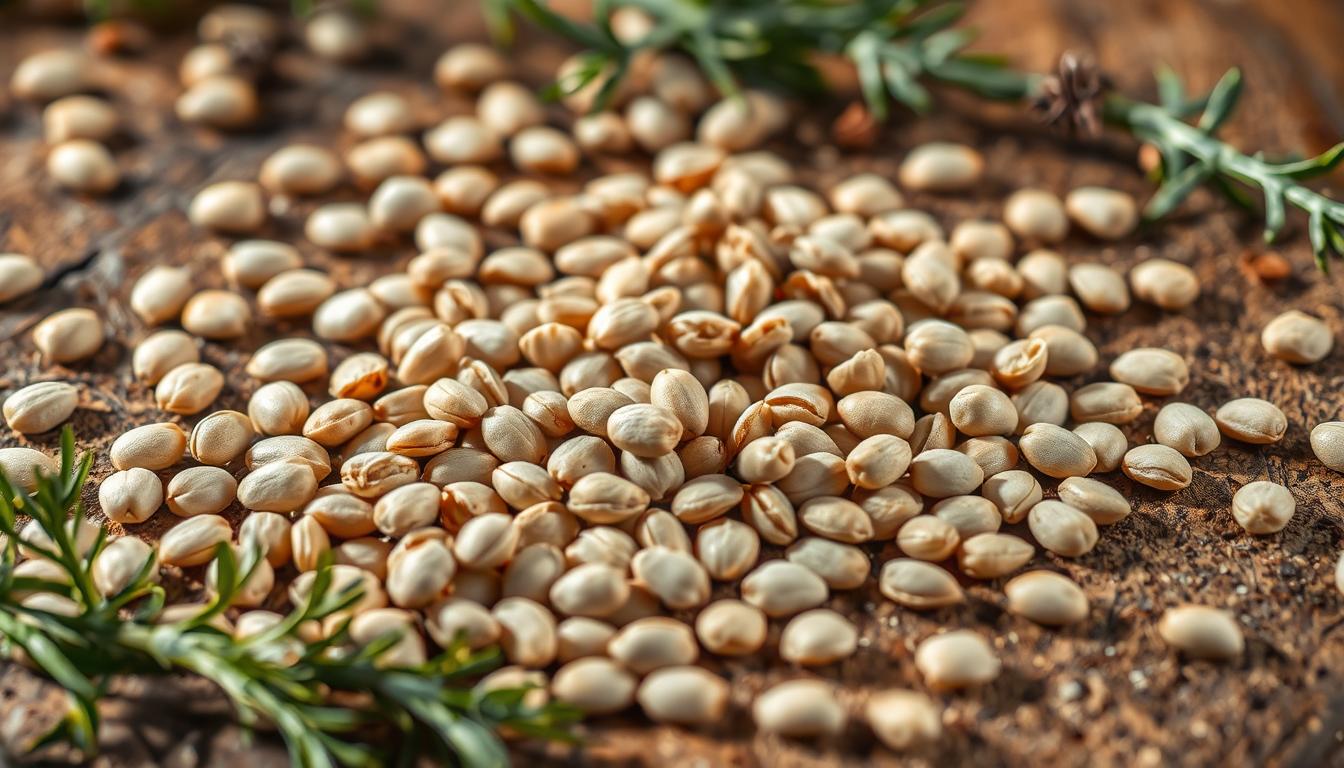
<point x="705" y="379"/>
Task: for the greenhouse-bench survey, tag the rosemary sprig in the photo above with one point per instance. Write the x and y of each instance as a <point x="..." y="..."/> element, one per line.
<point x="897" y="47"/>
<point x="82" y="638"/>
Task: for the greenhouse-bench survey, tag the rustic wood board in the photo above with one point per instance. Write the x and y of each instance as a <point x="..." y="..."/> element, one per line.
<point x="1107" y="692"/>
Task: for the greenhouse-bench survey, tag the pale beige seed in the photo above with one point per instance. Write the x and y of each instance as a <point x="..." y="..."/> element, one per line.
<point x="866" y="194"/>
<point x="1151" y="371"/>
<point x="1062" y="529"/>
<point x="941" y="167"/>
<point x="765" y="460"/>
<point x="782" y="588"/>
<point x="1100" y="288"/>
<point x="292" y="360"/>
<point x="301" y="169"/>
<point x="904" y="720"/>
<point x="1068" y="352"/>
<point x="406" y="509"/>
<point x="580" y="456"/>
<point x="601" y="498"/>
<point x="337" y="421"/>
<point x="1165" y="283"/>
<point x="1046" y="597"/>
<point x="235" y="207"/>
<point x="706" y="498"/>
<point x="69" y="335"/>
<point x="348" y="316"/>
<point x="532" y="572"/>
<point x="969" y="515"/>
<point x="216" y="314"/>
<point x="508" y="108"/>
<point x="290" y="448"/>
<point x="982" y="410"/>
<point x="486" y="541"/>
<point x="193" y="541"/>
<point x="40" y="407"/>
<point x="456" y="618"/>
<point x="51" y="74"/>
<point x="993" y="555"/>
<point x="836" y="518"/>
<point x="128" y="496"/>
<point x="644" y="429"/>
<point x="363" y="376"/>
<point x="1050" y="310"/>
<point x="120" y="563"/>
<point x="370" y="475"/>
<point x="152" y="446"/>
<point x="19" y="276"/>
<point x="344" y="515"/>
<point x="84" y="166"/>
<point x="1108" y="214"/>
<point x="278" y="486"/>
<point x="817" y="637"/>
<point x="221" y="438"/>
<point x="1251" y="420"/>
<point x="1186" y="428"/>
<point x="940" y="473"/>
<point x="1020" y="363"/>
<point x="878" y="461"/>
<point x="1014" y="493"/>
<point x="159" y="295"/>
<point x="932" y="431"/>
<point x="596" y="686"/>
<point x="936" y="397"/>
<point x="400" y="202"/>
<point x="926" y="537"/>
<point x="918" y="584"/>
<point x="294" y="293"/>
<point x="1297" y="338"/>
<point x="456" y="403"/>
<point x="250" y="263"/>
<point x="543" y="150"/>
<point x="683" y="695"/>
<point x="1327" y="442"/>
<point x="1202" y="632"/>
<point x="866" y="414"/>
<point x="974" y="239"/>
<point x="373" y="160"/>
<point x="200" y="491"/>
<point x="685" y="397"/>
<point x="1263" y="507"/>
<point x="1099" y="501"/>
<point x="1106" y="401"/>
<point x="993" y="454"/>
<point x="511" y="436"/>
<point x="20" y="465"/>
<point x="727" y="548"/>
<point x="937" y="346"/>
<point x="189" y="388"/>
<point x="594" y="590"/>
<point x="380" y="113"/>
<point x="219" y="101"/>
<point x="1056" y="451"/>
<point x="957" y="659"/>
<point x="674" y="577"/>
<point x="731" y="628"/>
<point x="889" y="508"/>
<point x="206" y="60"/>
<point x="1035" y="214"/>
<point x="647" y="644"/>
<point x="470" y="67"/>
<point x="1157" y="466"/>
<point x="1107" y="441"/>
<point x="421" y="438"/>
<point x="278" y="408"/>
<point x="930" y="274"/>
<point x="769" y="511"/>
<point x="800" y="709"/>
<point x="340" y="227"/>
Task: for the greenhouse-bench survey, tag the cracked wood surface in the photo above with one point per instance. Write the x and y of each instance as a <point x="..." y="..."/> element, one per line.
<point x="1105" y="692"/>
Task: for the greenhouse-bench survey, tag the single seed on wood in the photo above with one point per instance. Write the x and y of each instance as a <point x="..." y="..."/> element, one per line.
<point x="1298" y="338"/>
<point x="799" y="708"/>
<point x="128" y="496"/>
<point x="956" y="659"/>
<point x="1099" y="501"/>
<point x="1046" y="597"/>
<point x="941" y="167"/>
<point x="1263" y="507"/>
<point x="1062" y="529"/>
<point x="1108" y="214"/>
<point x="1251" y="420"/>
<point x="904" y="720"/>
<point x="40" y="407"/>
<point x="1151" y="371"/>
<point x="1186" y="428"/>
<point x="1202" y="632"/>
<point x="918" y="584"/>
<point x="1327" y="442"/>
<point x="683" y="695"/>
<point x="1165" y="283"/>
<point x="69" y="335"/>
<point x="83" y="165"/>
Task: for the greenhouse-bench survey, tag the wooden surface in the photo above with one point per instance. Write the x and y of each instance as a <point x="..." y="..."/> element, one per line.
<point x="1105" y="692"/>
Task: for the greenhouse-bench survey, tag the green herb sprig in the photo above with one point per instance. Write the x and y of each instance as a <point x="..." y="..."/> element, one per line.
<point x="82" y="639"/>
<point x="898" y="48"/>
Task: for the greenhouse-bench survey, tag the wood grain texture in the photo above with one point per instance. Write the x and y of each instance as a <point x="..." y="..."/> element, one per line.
<point x="1104" y="693"/>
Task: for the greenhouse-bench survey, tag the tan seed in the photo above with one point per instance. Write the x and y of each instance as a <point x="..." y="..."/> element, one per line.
<point x="1263" y="507"/>
<point x="1108" y="214"/>
<point x="1099" y="501"/>
<point x="193" y="541"/>
<point x="200" y="491"/>
<point x="683" y="695"/>
<point x="69" y="335"/>
<point x="1202" y="632"/>
<point x="1062" y="529"/>
<point x="1167" y="284"/>
<point x="904" y="720"/>
<point x="152" y="446"/>
<point x="799" y="708"/>
<point x="1046" y="597"/>
<point x="918" y="584"/>
<point x="1327" y="442"/>
<point x="1151" y="371"/>
<point x="731" y="628"/>
<point x="1186" y="428"/>
<point x="956" y="659"/>
<point x="1251" y="420"/>
<point x="1298" y="338"/>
